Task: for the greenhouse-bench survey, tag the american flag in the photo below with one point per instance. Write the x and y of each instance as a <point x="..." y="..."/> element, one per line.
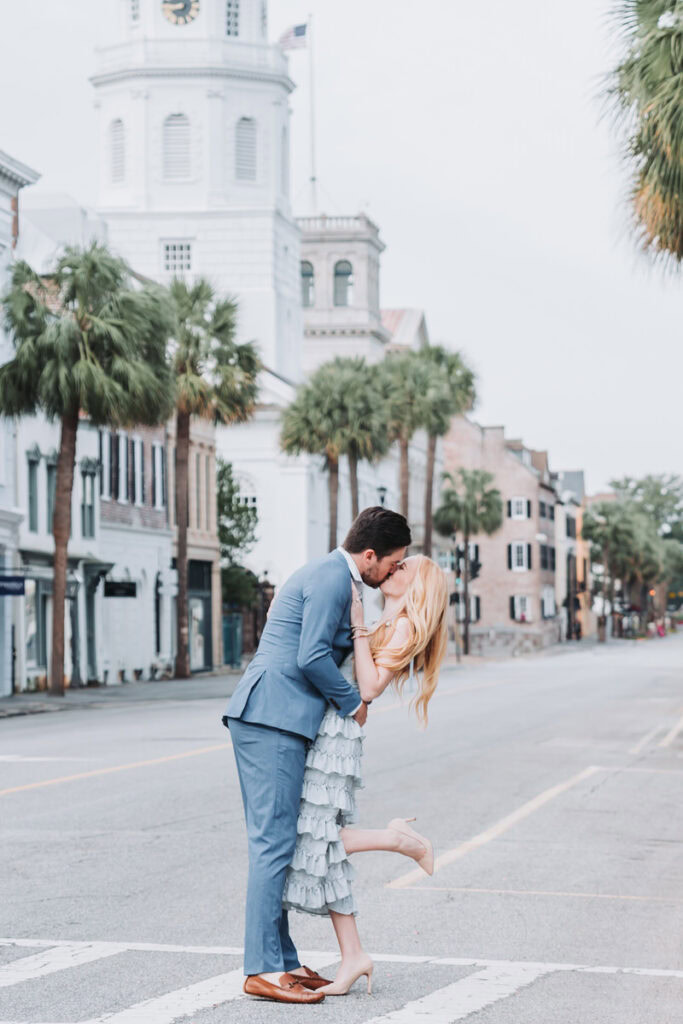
<point x="294" y="38"/>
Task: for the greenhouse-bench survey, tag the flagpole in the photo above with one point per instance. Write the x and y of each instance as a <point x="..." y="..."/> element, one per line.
<point x="313" y="178"/>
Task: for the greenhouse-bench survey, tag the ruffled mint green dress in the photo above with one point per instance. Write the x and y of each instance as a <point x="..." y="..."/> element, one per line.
<point x="320" y="875"/>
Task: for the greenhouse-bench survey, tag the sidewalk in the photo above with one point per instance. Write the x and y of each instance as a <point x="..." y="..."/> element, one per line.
<point x="200" y="687"/>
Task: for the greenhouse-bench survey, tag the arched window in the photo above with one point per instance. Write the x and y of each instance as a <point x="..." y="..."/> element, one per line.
<point x="176" y="147"/>
<point x="117" y="151"/>
<point x="232" y="18"/>
<point x="245" y="149"/>
<point x="343" y="283"/>
<point x="284" y="162"/>
<point x="307" y="284"/>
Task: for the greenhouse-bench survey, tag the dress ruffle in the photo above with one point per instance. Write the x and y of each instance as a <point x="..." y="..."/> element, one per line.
<point x="320" y="875"/>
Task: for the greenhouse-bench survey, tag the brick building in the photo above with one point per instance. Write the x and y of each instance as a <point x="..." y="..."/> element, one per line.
<point x="513" y="603"/>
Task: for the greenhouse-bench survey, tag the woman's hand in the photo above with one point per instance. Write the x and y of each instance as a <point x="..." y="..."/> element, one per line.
<point x="357" y="613"/>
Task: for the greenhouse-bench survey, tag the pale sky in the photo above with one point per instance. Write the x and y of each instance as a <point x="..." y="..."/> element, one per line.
<point x="472" y="134"/>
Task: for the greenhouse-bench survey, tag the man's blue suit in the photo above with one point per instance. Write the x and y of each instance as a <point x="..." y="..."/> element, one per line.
<point x="273" y="714"/>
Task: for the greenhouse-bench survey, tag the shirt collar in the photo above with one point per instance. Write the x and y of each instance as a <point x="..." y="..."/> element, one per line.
<point x="353" y="568"/>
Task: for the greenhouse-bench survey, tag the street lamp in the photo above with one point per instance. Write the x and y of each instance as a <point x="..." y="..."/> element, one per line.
<point x="382" y="492"/>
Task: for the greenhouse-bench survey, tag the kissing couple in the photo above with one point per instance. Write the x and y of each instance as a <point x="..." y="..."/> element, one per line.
<point x="296" y="723"/>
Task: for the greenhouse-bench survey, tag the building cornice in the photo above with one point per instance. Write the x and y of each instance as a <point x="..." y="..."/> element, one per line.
<point x="16" y="172"/>
<point x="362" y="330"/>
<point x="208" y="71"/>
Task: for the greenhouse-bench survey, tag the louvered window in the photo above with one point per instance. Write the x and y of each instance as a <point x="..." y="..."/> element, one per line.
<point x="176" y="158"/>
<point x="307" y="284"/>
<point x="117" y="151"/>
<point x="245" y="149"/>
<point x="232" y="18"/>
<point x="284" y="163"/>
<point x="343" y="283"/>
<point x="134" y="10"/>
<point x="177" y="257"/>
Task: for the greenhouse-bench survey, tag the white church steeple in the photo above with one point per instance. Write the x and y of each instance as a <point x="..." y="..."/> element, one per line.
<point x="194" y="157"/>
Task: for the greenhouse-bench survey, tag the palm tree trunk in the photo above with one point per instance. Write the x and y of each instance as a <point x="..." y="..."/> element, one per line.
<point x="466" y="594"/>
<point x="61" y="528"/>
<point x="333" y="481"/>
<point x="405" y="475"/>
<point x="182" y="664"/>
<point x="429" y="495"/>
<point x="353" y="479"/>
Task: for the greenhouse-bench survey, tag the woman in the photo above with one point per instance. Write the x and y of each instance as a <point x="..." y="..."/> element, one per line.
<point x="409" y="638"/>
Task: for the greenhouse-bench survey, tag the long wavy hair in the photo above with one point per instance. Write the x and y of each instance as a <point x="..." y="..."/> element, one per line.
<point x="425" y="606"/>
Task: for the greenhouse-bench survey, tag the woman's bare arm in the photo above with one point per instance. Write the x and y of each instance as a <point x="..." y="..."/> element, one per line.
<point x="373" y="679"/>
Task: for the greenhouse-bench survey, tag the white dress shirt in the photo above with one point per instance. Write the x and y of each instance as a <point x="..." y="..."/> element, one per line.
<point x="356" y="577"/>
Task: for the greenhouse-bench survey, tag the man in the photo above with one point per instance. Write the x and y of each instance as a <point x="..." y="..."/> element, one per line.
<point x="276" y="711"/>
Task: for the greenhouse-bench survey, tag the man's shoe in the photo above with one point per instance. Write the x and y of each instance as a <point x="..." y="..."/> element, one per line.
<point x="290" y="990"/>
<point x="310" y="980"/>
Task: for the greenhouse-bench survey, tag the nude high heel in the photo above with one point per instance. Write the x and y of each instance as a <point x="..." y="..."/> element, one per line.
<point x="344" y="980"/>
<point x="425" y="859"/>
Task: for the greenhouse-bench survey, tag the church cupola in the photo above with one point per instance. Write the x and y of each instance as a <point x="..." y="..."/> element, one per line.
<point x="238" y="20"/>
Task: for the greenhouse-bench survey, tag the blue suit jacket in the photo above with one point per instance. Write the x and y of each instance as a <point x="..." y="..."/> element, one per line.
<point x="295" y="671"/>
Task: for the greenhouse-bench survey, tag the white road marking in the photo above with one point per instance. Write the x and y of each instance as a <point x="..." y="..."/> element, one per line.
<point x="223" y="988"/>
<point x="467" y="996"/>
<point x="672" y="734"/>
<point x="647" y="738"/>
<point x="172" y="1006"/>
<point x="496" y="830"/>
<point x="59" y="958"/>
<point x="541" y="892"/>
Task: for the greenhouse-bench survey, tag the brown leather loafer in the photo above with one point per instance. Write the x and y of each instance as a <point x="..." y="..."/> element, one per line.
<point x="311" y="980"/>
<point x="288" y="991"/>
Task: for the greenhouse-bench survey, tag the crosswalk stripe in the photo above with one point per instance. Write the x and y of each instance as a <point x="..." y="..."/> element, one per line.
<point x="172" y="1006"/>
<point x="462" y="998"/>
<point x="59" y="958"/>
<point x="223" y="988"/>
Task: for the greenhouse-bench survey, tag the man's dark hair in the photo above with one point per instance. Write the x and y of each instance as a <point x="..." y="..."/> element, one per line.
<point x="378" y="529"/>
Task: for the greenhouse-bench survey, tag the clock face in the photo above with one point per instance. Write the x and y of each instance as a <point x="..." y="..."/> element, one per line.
<point x="180" y="12"/>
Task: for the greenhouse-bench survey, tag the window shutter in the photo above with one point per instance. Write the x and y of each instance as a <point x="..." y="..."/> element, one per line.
<point x="477" y="609"/>
<point x="100" y="459"/>
<point x="476" y="552"/>
<point x="509" y="510"/>
<point x="126" y="477"/>
<point x="512" y="609"/>
<point x="528" y="509"/>
<point x="528" y="556"/>
<point x="117" y="152"/>
<point x="114" y="465"/>
<point x="245" y="149"/>
<point x="176" y="147"/>
<point x="131" y="458"/>
<point x="142" y="472"/>
<point x="154" y="476"/>
<point x="509" y="553"/>
<point x="552" y="559"/>
<point x="163" y="476"/>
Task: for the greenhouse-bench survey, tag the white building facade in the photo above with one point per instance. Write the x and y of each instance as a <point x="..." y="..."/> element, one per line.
<point x="13" y="177"/>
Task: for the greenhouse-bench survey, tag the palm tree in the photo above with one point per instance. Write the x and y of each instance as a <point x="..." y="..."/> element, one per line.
<point x="417" y="395"/>
<point x="453" y="369"/>
<point x="86" y="346"/>
<point x="471" y="507"/>
<point x="316" y="423"/>
<point x="365" y="434"/>
<point x="614" y="534"/>
<point x="646" y="90"/>
<point x="215" y="378"/>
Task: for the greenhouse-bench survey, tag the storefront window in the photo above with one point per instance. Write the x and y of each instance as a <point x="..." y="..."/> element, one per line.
<point x="31" y="623"/>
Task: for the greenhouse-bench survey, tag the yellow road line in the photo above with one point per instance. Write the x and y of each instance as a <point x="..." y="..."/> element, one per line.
<point x="642" y="743"/>
<point x="115" y="768"/>
<point x="540" y="892"/>
<point x="496" y="830"/>
<point x="672" y="734"/>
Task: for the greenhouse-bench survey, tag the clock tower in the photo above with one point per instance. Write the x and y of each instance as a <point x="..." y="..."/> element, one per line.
<point x="194" y="158"/>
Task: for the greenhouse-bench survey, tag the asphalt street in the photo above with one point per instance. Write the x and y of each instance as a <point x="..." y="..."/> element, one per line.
<point x="551" y="787"/>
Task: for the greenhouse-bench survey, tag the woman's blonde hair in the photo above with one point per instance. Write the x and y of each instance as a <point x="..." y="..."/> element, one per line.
<point x="426" y="604"/>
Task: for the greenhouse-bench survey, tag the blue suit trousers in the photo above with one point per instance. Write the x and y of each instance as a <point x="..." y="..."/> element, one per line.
<point x="270" y="765"/>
